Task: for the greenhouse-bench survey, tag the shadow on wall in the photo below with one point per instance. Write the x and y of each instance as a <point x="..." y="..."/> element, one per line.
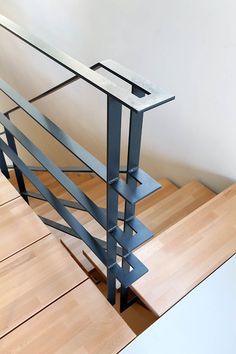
<point x="162" y="166"/>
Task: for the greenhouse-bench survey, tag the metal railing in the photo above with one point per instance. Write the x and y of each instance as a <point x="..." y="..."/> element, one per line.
<point x="143" y="96"/>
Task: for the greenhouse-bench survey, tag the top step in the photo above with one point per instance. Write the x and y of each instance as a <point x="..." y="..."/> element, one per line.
<point x="185" y="254"/>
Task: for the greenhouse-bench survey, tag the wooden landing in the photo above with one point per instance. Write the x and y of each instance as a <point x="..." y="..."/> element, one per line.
<point x="184" y="255"/>
<point x="47" y="302"/>
<point x="161" y="214"/>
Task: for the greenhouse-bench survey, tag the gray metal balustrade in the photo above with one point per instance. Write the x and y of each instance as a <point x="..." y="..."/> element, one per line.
<point x="142" y="97"/>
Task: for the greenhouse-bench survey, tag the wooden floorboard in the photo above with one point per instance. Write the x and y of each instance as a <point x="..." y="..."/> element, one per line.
<point x="7" y="191"/>
<point x="19" y="227"/>
<point x="33" y="278"/>
<point x="82" y="321"/>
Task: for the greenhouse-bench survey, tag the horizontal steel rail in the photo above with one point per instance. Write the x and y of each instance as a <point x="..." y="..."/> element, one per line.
<point x="123" y="169"/>
<point x="102" y="83"/>
<point x="46" y="93"/>
<point x="53" y="89"/>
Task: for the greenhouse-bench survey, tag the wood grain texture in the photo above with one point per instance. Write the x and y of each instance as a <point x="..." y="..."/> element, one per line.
<point x="81" y="322"/>
<point x="33" y="278"/>
<point x="50" y="181"/>
<point x="184" y="255"/>
<point x="167" y="189"/>
<point x="19" y="227"/>
<point x="7" y="191"/>
<point x="160" y="215"/>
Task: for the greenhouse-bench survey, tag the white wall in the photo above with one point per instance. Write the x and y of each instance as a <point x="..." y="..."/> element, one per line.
<point x="186" y="47"/>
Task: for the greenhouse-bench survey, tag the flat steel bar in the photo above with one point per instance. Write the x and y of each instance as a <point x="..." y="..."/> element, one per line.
<point x="67" y="203"/>
<point x="134" y="194"/>
<point x="128" y="278"/>
<point x="3" y="165"/>
<point x="114" y="111"/>
<point x="46" y="93"/>
<point x="75" y="148"/>
<point x="143" y="85"/>
<point x="19" y="176"/>
<point x="79" y="196"/>
<point x="134" y="147"/>
<point x="59" y="207"/>
<point x="94" y="78"/>
<point x="127" y="240"/>
<point x="54" y="89"/>
<point x="123" y="169"/>
<point x="70" y="231"/>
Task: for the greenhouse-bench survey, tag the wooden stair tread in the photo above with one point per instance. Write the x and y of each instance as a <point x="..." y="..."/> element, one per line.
<point x="75" y="248"/>
<point x="50" y="181"/>
<point x="185" y="254"/>
<point x="167" y="189"/>
<point x="175" y="207"/>
<point x="162" y="214"/>
<point x="93" y="187"/>
<point x="19" y="227"/>
<point x="82" y="321"/>
<point x="33" y="278"/>
<point x="7" y="191"/>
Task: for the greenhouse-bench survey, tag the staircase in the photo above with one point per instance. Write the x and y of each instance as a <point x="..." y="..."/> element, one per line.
<point x="194" y="234"/>
<point x="149" y="242"/>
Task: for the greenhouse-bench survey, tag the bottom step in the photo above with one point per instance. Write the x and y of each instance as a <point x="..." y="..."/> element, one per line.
<point x="82" y="321"/>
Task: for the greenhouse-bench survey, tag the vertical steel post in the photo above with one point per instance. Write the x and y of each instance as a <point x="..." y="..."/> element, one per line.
<point x="134" y="145"/>
<point x="3" y="165"/>
<point x="114" y="111"/>
<point x="19" y="176"/>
